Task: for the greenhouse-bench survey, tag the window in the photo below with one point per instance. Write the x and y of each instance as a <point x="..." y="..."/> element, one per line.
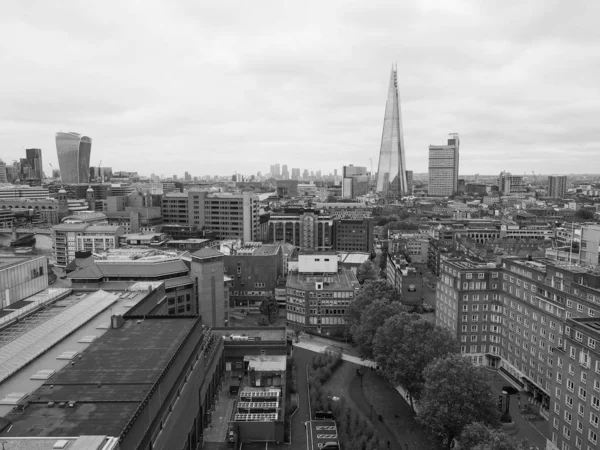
<point x="568" y="417"/>
<point x="593" y="437"/>
<point x="582" y="393"/>
<point x="594" y="420"/>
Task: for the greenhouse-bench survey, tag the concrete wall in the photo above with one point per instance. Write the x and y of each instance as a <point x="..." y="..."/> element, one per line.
<point x="208" y="274"/>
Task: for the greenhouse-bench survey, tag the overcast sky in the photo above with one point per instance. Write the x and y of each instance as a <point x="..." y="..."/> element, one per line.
<point x="216" y="87"/>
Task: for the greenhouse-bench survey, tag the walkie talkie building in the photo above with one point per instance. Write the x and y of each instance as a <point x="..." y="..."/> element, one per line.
<point x="73" y="157"/>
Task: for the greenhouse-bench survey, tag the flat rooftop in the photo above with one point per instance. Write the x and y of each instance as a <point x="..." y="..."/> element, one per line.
<point x="24" y="380"/>
<point x="107" y="383"/>
<point x="70" y="443"/>
<point x="266" y="363"/>
<point x="342" y="280"/>
<point x="265" y="334"/>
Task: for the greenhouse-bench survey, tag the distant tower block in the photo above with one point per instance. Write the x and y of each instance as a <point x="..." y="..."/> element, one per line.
<point x="391" y="173"/>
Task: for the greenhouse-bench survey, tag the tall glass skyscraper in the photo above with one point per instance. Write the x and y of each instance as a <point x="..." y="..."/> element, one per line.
<point x="73" y="157"/>
<point x="34" y="157"/>
<point x="391" y="173"/>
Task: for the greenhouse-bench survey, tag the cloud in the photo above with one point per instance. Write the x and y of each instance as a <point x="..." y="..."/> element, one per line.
<point x="217" y="87"/>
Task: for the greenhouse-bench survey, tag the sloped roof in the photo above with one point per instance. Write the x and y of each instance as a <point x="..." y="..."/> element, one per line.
<point x="127" y="269"/>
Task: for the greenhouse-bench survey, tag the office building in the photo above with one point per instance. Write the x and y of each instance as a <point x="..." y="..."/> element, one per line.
<point x="285" y="174"/>
<point x="307" y="229"/>
<point x="391" y="173"/>
<point x="100" y="174"/>
<point x="510" y="184"/>
<point x="287" y="188"/>
<point x="590" y="245"/>
<point x="355" y="181"/>
<point x="295" y="174"/>
<point x="443" y="168"/>
<point x="34" y="158"/>
<point x="409" y="182"/>
<point x="353" y="235"/>
<point x="3" y="175"/>
<point x="73" y="157"/>
<point x="230" y="216"/>
<point x="557" y="186"/>
<point x="23" y="192"/>
<point x="318" y="292"/>
<point x="255" y="271"/>
<point x="69" y="238"/>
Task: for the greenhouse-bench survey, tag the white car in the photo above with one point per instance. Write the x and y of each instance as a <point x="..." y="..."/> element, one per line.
<point x="412" y="288"/>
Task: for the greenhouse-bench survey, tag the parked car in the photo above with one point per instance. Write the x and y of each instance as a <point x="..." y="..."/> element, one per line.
<point x="412" y="288"/>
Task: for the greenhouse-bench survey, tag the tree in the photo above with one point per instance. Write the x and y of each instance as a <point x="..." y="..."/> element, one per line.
<point x="366" y="271"/>
<point x="383" y="259"/>
<point x="456" y="394"/>
<point x="269" y="308"/>
<point x="368" y="292"/>
<point x="405" y="345"/>
<point x="584" y="214"/>
<point x="373" y="317"/>
<point x="477" y="436"/>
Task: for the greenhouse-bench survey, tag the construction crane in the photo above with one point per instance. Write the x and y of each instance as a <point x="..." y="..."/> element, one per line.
<point x="534" y="177"/>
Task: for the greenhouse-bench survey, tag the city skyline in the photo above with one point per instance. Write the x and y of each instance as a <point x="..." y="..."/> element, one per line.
<point x="515" y="108"/>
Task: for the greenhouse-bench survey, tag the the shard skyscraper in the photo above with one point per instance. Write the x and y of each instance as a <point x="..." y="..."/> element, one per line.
<point x="391" y="173"/>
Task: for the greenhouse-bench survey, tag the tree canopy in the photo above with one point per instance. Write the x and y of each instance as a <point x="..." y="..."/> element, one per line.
<point x="269" y="308"/>
<point x="368" y="292"/>
<point x="584" y="214"/>
<point x="477" y="436"/>
<point x="366" y="271"/>
<point x="373" y="317"/>
<point x="456" y="394"/>
<point x="406" y="344"/>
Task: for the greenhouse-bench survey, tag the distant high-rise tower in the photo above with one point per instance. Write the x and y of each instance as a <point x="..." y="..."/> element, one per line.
<point x="391" y="173"/>
<point x="557" y="186"/>
<point x="73" y="157"/>
<point x="34" y="157"/>
<point x="443" y="167"/>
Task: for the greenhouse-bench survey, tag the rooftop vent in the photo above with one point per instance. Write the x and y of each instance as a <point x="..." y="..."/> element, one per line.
<point x="62" y="443"/>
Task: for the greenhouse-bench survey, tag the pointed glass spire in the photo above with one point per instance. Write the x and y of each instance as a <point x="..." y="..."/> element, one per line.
<point x="391" y="173"/>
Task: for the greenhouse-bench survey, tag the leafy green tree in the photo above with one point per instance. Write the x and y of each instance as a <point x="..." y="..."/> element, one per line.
<point x="269" y="308"/>
<point x="456" y="394"/>
<point x="405" y="345"/>
<point x="369" y="292"/>
<point x="366" y="271"/>
<point x="477" y="436"/>
<point x="373" y="317"/>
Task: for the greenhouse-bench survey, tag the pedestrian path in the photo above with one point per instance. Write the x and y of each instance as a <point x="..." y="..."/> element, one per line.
<point x="320" y="347"/>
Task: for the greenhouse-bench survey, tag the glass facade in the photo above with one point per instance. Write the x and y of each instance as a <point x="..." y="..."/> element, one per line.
<point x="73" y="157"/>
<point x="391" y="173"/>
